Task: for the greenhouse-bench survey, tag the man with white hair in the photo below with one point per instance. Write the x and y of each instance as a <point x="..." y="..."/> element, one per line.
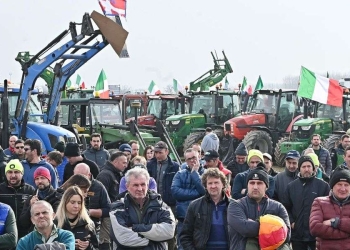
<point x="153" y="228"/>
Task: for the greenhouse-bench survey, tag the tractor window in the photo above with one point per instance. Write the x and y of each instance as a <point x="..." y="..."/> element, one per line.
<point x="129" y="111"/>
<point x="202" y="104"/>
<point x="106" y="113"/>
<point x="35" y="111"/>
<point x="12" y="105"/>
<point x="154" y="107"/>
<point x="264" y="103"/>
<point x="64" y="115"/>
<point x="335" y="113"/>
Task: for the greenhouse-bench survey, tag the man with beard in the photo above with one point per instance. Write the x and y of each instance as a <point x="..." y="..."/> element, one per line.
<point x="19" y="152"/>
<point x="135" y="148"/>
<point x="322" y="153"/>
<point x="14" y="191"/>
<point x="299" y="198"/>
<point x="45" y="231"/>
<point x="33" y="162"/>
<point x="44" y="191"/>
<point x="96" y="152"/>
<point x="337" y="153"/>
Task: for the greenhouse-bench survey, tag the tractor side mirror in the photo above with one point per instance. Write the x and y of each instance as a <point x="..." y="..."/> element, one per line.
<point x="220" y="101"/>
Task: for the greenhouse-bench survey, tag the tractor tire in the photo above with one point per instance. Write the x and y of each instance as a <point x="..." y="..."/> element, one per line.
<point x="259" y="139"/>
<point x="195" y="137"/>
<point x="332" y="142"/>
<point x="280" y="157"/>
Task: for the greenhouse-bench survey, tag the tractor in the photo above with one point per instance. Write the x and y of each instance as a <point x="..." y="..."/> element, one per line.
<point x="268" y="118"/>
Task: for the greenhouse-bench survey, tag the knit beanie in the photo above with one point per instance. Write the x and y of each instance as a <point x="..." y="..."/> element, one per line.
<point x="339" y="174"/>
<point x="42" y="171"/>
<point x="125" y="148"/>
<point x="14" y="165"/>
<point x="314" y="158"/>
<point x="241" y="149"/>
<point x="255" y="152"/>
<point x="72" y="149"/>
<point x="60" y="146"/>
<point x="303" y="159"/>
<point x="258" y="173"/>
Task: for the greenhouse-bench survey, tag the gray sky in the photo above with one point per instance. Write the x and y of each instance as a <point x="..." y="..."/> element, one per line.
<point x="173" y="39"/>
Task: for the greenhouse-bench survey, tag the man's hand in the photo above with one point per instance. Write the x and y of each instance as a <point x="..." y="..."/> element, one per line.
<point x="327" y="222"/>
<point x="243" y="191"/>
<point x="81" y="245"/>
<point x="33" y="200"/>
<point x="196" y="166"/>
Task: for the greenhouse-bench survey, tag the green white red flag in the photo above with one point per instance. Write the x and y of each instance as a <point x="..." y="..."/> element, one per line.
<point x="319" y="88"/>
<point x="153" y="88"/>
<point x="80" y="82"/>
<point x="102" y="85"/>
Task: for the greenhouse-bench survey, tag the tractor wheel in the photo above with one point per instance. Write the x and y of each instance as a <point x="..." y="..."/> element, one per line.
<point x="258" y="139"/>
<point x="280" y="157"/>
<point x="331" y="142"/>
<point x="195" y="137"/>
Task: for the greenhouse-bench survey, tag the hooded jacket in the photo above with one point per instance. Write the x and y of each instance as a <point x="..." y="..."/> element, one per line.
<point x="100" y="156"/>
<point x="29" y="169"/>
<point x="210" y="142"/>
<point x="325" y="159"/>
<point x="300" y="195"/>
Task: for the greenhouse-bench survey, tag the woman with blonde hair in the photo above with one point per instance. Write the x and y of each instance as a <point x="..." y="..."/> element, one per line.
<point x="72" y="215"/>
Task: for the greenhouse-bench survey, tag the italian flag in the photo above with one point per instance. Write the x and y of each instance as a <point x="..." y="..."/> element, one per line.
<point x="102" y="86"/>
<point x="177" y="86"/>
<point x="244" y="84"/>
<point x="153" y="89"/>
<point x="319" y="88"/>
<point x="80" y="83"/>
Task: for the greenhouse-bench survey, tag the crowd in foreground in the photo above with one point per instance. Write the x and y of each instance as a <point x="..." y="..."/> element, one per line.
<point x="118" y="199"/>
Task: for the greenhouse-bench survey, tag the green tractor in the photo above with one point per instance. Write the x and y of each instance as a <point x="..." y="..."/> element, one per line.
<point x="207" y="108"/>
<point x="85" y="116"/>
<point x="328" y="121"/>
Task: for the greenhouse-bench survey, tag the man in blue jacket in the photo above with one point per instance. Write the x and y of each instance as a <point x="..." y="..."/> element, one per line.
<point x="186" y="187"/>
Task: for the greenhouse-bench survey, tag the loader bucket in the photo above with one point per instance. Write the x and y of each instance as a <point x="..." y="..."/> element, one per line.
<point x="113" y="32"/>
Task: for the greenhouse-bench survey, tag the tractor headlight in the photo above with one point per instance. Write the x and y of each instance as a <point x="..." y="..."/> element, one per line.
<point x="295" y="127"/>
<point x="166" y="122"/>
<point x="175" y="122"/>
<point x="305" y="127"/>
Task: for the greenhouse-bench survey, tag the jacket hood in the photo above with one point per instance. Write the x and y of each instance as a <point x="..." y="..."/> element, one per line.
<point x="213" y="136"/>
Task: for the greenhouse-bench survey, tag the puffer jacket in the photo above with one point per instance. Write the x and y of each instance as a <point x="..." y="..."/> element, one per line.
<point x="299" y="197"/>
<point x="100" y="156"/>
<point x="327" y="237"/>
<point x="196" y="228"/>
<point x="149" y="231"/>
<point x="243" y="216"/>
<point x="325" y="159"/>
<point x="186" y="187"/>
<point x="172" y="169"/>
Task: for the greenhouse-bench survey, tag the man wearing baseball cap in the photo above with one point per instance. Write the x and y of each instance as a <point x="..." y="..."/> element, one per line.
<point x="268" y="163"/>
<point x="44" y="191"/>
<point x="243" y="215"/>
<point x="299" y="197"/>
<point x="255" y="158"/>
<point x="330" y="215"/>
<point x="211" y="158"/>
<point x="14" y="191"/>
<point x="289" y="174"/>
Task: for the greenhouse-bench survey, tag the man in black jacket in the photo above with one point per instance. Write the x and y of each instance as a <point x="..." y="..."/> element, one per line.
<point x="112" y="173"/>
<point x="14" y="192"/>
<point x="205" y="225"/>
<point x="300" y="195"/>
<point x="243" y="215"/>
<point x="99" y="204"/>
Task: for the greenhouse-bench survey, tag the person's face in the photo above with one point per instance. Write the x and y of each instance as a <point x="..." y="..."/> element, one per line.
<point x="120" y="163"/>
<point x="211" y="163"/>
<point x="315" y="141"/>
<point x="137" y="187"/>
<point x="73" y="159"/>
<point x="161" y="155"/>
<point x="214" y="186"/>
<point x="52" y="162"/>
<point x="128" y="155"/>
<point x="341" y="190"/>
<point x="19" y="149"/>
<point x="198" y="149"/>
<point x="14" y="177"/>
<point x="256" y="189"/>
<point x="12" y="141"/>
<point x="241" y="159"/>
<point x="347" y="157"/>
<point x="268" y="163"/>
<point x="29" y="153"/>
<point x="191" y="159"/>
<point x="135" y="148"/>
<point x="306" y="169"/>
<point x="41" y="216"/>
<point x="95" y="142"/>
<point x="254" y="161"/>
<point x="292" y="164"/>
<point x="345" y="142"/>
<point x="73" y="206"/>
<point x="41" y="182"/>
<point x="149" y="154"/>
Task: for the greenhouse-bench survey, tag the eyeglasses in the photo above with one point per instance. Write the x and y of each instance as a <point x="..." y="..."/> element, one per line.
<point x="18" y="147"/>
<point x="192" y="158"/>
<point x="12" y="141"/>
<point x="26" y="149"/>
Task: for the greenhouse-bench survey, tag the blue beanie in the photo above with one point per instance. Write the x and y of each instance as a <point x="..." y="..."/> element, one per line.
<point x="125" y="148"/>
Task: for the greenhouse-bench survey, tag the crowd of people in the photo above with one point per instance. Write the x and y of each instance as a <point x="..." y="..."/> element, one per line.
<point x="119" y="199"/>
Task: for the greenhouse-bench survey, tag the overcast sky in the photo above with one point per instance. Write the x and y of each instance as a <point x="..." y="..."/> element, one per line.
<point x="173" y="39"/>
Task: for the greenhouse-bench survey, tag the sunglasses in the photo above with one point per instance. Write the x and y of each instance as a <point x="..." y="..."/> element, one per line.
<point x="26" y="149"/>
<point x="18" y="147"/>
